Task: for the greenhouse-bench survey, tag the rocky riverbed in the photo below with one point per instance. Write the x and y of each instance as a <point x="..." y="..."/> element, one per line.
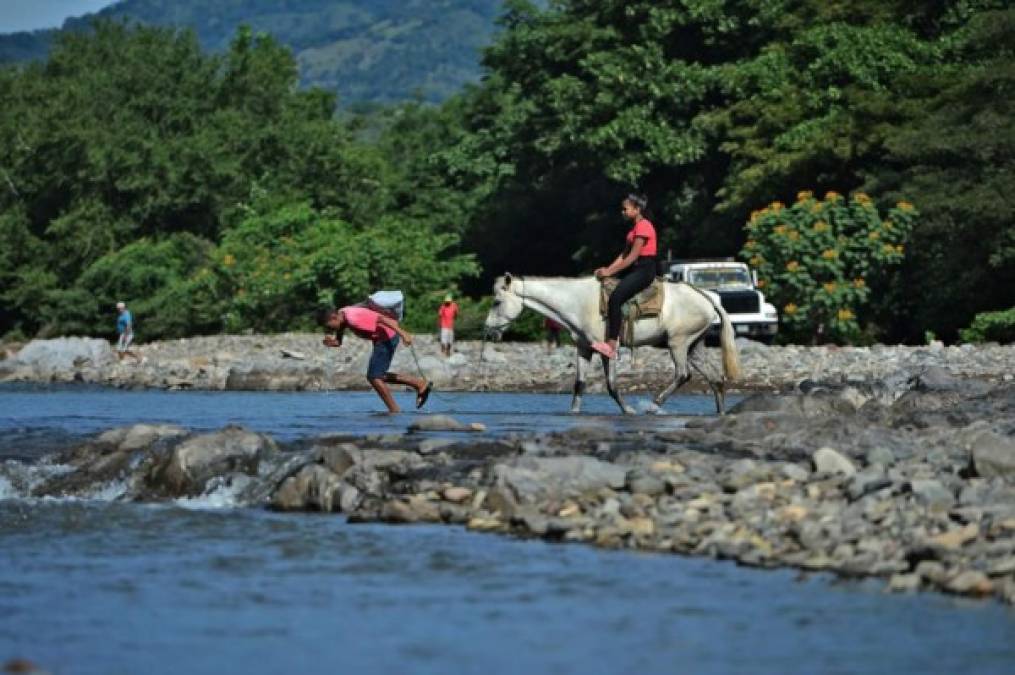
<point x="908" y="475"/>
<point x="298" y="361"/>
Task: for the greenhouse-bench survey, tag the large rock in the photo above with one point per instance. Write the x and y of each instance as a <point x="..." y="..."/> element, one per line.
<point x="139" y="436"/>
<point x="289" y="375"/>
<point x="828" y="460"/>
<point x="444" y="423"/>
<point x="532" y="478"/>
<point x="64" y="355"/>
<point x="312" y="488"/>
<point x="193" y="462"/>
<point x="992" y="455"/>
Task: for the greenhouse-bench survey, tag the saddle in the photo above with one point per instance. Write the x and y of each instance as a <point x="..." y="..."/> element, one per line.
<point x="645" y="305"/>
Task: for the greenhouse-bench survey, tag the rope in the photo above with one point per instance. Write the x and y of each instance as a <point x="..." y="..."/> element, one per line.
<point x="419" y="368"/>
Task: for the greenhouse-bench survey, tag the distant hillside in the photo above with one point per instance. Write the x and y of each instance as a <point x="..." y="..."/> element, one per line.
<point x="369" y="51"/>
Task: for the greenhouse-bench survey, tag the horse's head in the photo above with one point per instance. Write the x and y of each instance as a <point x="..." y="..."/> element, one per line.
<point x="507" y="305"/>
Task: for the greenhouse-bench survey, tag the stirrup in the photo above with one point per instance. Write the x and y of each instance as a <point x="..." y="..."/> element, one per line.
<point x="605" y="349"/>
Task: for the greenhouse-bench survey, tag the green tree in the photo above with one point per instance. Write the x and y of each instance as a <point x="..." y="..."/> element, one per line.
<point x="819" y="260"/>
<point x="276" y="268"/>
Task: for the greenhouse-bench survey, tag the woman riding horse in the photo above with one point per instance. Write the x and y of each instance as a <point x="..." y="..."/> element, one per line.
<point x="636" y="266"/>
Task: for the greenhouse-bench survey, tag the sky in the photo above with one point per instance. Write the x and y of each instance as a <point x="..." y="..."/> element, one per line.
<point x="18" y="15"/>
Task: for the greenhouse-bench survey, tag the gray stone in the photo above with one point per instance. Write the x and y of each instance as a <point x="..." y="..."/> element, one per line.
<point x="880" y="455"/>
<point x="429" y="446"/>
<point x="795" y="472"/>
<point x="992" y="455"/>
<point x="827" y="460"/>
<point x="312" y="488"/>
<point x="646" y="484"/>
<point x="199" y="458"/>
<point x="932" y="493"/>
<point x="869" y="480"/>
<point x="531" y="478"/>
<point x="50" y="357"/>
<point x="442" y="423"/>
<point x="970" y="582"/>
<point x="139" y="436"/>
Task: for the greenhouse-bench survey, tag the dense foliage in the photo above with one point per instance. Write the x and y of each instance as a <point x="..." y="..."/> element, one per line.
<point x="133" y="164"/>
<point x="369" y="51"/>
<point x="820" y="260"/>
<point x="716" y="107"/>
<point x="991" y="327"/>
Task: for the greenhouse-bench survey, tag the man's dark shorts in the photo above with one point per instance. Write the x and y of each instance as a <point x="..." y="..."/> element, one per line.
<point x="380" y="358"/>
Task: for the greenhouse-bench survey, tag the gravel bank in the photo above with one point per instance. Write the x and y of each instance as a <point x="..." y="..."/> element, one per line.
<point x="260" y="363"/>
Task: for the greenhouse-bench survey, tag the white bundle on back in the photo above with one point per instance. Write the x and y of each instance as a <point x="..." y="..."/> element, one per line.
<point x="388" y="302"/>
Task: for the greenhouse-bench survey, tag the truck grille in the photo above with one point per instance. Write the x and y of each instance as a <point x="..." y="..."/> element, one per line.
<point x="740" y="302"/>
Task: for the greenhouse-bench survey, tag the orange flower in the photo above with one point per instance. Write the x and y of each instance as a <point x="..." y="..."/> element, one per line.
<point x="874" y="235"/>
<point x="804" y="195"/>
<point x="229" y="260"/>
<point x="829" y="286"/>
<point x="776" y="206"/>
<point x="904" y="206"/>
<point x="845" y="315"/>
<point x="790" y="309"/>
<point x="861" y="198"/>
<point x="859" y="282"/>
<point x="832" y="195"/>
<point x="830" y="254"/>
<point x="792" y="235"/>
<point x="820" y="226"/>
<point x="792" y="266"/>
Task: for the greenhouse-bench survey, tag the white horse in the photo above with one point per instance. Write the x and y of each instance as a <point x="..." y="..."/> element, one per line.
<point x="686" y="316"/>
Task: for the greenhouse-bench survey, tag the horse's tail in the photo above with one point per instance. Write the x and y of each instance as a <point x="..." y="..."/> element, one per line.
<point x="730" y="357"/>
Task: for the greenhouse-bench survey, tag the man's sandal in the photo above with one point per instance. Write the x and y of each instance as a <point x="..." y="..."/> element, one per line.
<point x="422" y="396"/>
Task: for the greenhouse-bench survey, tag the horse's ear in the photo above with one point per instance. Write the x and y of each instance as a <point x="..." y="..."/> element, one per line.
<point x="507" y="279"/>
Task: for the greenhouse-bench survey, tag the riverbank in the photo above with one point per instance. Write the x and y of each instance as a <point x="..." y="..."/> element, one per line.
<point x="909" y="478"/>
<point x="298" y="362"/>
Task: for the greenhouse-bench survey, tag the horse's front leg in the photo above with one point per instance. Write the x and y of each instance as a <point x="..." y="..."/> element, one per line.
<point x="582" y="362"/>
<point x="610" y="368"/>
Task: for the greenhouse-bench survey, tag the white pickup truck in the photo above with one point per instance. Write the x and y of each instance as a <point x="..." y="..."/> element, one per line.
<point x="734" y="284"/>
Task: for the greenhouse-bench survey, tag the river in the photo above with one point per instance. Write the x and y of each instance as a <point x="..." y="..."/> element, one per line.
<point x="198" y="586"/>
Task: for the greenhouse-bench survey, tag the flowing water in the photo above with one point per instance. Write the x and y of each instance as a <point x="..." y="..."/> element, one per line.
<point x="197" y="586"/>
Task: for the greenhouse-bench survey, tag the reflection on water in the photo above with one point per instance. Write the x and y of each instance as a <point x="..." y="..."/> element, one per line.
<point x="121" y="588"/>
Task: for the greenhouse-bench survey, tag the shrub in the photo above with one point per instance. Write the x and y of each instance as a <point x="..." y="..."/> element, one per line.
<point x="818" y="260"/>
<point x="991" y="327"/>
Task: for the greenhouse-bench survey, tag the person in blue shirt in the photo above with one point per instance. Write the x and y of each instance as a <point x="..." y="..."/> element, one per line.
<point x="125" y="330"/>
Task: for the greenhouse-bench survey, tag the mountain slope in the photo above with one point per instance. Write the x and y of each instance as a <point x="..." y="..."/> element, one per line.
<point x="376" y="51"/>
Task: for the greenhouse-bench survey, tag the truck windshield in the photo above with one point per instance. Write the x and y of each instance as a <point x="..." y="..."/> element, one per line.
<point x="721" y="277"/>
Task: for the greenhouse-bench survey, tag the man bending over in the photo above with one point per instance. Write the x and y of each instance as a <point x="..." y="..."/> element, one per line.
<point x="385" y="333"/>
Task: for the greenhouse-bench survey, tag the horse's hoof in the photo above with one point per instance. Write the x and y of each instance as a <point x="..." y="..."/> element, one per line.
<point x="630" y="411"/>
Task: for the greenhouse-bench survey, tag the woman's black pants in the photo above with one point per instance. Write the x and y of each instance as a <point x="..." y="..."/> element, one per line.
<point x="636" y="278"/>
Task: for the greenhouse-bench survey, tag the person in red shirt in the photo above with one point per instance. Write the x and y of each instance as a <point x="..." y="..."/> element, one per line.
<point x="446" y="315"/>
<point x="636" y="266"/>
<point x="385" y="333"/>
<point x="552" y="334"/>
